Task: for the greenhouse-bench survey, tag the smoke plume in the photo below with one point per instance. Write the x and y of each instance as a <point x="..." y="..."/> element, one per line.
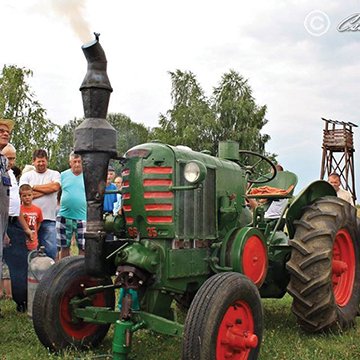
<point x="73" y="12"/>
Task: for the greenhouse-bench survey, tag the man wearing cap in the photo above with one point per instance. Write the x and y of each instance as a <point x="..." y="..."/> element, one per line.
<point x="6" y="127"/>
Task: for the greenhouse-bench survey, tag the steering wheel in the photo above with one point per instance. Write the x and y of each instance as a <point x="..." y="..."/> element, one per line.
<point x="258" y="168"/>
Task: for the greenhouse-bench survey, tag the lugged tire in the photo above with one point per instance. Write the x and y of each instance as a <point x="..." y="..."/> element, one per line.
<point x="221" y="301"/>
<point x="52" y="318"/>
<point x="324" y="266"/>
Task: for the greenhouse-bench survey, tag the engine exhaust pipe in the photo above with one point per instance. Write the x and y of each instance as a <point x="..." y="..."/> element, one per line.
<point x="95" y="141"/>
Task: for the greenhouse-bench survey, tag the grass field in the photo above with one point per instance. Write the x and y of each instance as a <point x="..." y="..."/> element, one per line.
<point x="282" y="340"/>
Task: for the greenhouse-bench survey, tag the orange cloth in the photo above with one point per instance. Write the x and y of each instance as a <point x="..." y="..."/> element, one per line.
<point x="268" y="190"/>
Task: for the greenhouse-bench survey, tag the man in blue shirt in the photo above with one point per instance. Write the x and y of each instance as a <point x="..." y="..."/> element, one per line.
<point x="71" y="219"/>
<point x="110" y="199"/>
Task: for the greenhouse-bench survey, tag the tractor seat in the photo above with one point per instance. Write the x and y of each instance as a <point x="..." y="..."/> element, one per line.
<point x="280" y="187"/>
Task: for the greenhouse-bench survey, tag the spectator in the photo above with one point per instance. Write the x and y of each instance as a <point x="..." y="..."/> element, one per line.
<point x="111" y="174"/>
<point x="276" y="206"/>
<point x="71" y="218"/>
<point x="118" y="182"/>
<point x="109" y="199"/>
<point x="6" y="127"/>
<point x="45" y="184"/>
<point x="279" y="167"/>
<point x="118" y="204"/>
<point x="18" y="233"/>
<point x="5" y="282"/>
<point x="334" y="180"/>
<point x="31" y="213"/>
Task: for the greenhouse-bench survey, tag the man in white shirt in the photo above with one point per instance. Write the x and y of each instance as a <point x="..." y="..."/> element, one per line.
<point x="45" y="184"/>
<point x="334" y="180"/>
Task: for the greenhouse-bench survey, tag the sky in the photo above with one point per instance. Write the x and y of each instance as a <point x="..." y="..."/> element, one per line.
<point x="293" y="54"/>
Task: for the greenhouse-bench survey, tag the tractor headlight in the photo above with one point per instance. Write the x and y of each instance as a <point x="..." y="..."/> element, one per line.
<point x="195" y="171"/>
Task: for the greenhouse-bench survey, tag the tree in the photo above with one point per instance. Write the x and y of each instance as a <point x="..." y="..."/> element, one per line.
<point x="229" y="114"/>
<point x="64" y="145"/>
<point x="17" y="101"/>
<point x="191" y="117"/>
<point x="238" y="117"/>
<point x="129" y="133"/>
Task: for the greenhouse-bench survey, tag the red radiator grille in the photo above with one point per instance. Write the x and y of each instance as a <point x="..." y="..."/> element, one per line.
<point x="158" y="207"/>
<point x="157" y="170"/>
<point x="129" y="220"/>
<point x="157" y="182"/>
<point x="159" y="219"/>
<point x="158" y="195"/>
<point x="155" y="212"/>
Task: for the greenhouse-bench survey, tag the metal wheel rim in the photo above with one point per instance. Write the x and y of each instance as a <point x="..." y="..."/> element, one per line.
<point x="76" y="328"/>
<point x="343" y="267"/>
<point x="236" y="336"/>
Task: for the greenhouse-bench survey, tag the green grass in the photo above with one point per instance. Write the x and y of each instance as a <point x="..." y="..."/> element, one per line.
<point x="282" y="340"/>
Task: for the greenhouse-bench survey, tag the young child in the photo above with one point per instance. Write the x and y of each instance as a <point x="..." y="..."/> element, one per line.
<point x="32" y="214"/>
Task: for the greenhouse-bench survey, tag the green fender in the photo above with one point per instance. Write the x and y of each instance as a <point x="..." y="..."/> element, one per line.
<point x="307" y="196"/>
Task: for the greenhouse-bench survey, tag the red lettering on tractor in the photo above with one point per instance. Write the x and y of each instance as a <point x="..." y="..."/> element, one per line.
<point x="152" y="232"/>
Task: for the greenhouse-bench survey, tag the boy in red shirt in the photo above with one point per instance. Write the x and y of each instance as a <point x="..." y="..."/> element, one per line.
<point x="32" y="214"/>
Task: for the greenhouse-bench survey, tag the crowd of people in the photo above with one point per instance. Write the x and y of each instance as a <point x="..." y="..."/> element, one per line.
<point x="41" y="207"/>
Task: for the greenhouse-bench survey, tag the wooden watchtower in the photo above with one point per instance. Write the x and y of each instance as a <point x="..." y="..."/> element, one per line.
<point x="338" y="153"/>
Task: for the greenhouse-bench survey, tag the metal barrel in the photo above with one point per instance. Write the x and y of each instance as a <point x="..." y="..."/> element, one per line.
<point x="38" y="264"/>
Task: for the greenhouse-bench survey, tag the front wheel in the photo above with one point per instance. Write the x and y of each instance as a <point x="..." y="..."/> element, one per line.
<point x="324" y="266"/>
<point x="225" y="320"/>
<point x="54" y="322"/>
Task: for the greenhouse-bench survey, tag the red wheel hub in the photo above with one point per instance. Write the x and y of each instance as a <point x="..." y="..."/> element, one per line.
<point x="343" y="267"/>
<point x="236" y="335"/>
<point x="76" y="328"/>
<point x="254" y="260"/>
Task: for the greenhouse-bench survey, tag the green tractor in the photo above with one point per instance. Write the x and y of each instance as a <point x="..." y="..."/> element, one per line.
<point x="188" y="236"/>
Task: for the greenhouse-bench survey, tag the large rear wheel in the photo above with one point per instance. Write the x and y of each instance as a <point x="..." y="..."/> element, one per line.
<point x="225" y="320"/>
<point x="54" y="322"/>
<point x="324" y="266"/>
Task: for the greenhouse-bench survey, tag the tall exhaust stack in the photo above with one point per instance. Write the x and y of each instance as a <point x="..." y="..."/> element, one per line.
<point x="95" y="141"/>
